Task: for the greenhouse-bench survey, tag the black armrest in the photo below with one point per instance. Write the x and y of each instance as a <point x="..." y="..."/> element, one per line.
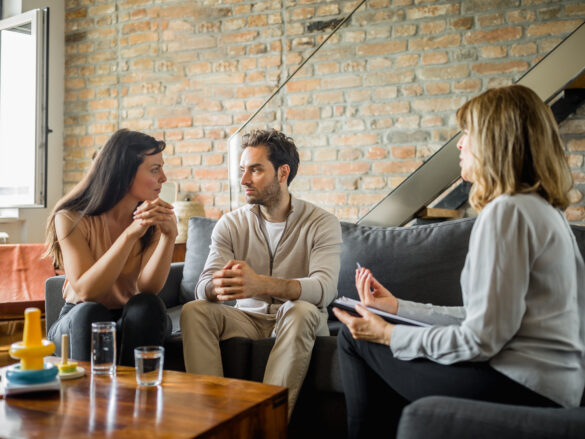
<point x="170" y="294"/>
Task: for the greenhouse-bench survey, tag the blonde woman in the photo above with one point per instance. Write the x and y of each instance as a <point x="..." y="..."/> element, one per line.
<point x="519" y="338"/>
<point x="114" y="237"/>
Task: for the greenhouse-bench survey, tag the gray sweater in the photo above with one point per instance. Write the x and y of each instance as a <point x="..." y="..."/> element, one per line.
<point x="308" y="251"/>
<point x="523" y="287"/>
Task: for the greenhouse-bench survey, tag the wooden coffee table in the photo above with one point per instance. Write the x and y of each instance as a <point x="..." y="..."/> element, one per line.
<point x="183" y="406"/>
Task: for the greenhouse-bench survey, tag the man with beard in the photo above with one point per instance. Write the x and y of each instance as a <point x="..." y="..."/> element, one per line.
<point x="278" y="257"/>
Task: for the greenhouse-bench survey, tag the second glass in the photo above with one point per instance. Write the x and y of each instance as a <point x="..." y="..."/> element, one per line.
<point x="149" y="365"/>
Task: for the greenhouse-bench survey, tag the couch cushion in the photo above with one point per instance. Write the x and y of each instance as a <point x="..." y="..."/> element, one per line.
<point x="440" y="417"/>
<point x="421" y="263"/>
<point x="198" y="241"/>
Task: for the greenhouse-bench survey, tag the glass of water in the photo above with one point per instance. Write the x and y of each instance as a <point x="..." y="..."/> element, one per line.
<point x="103" y="348"/>
<point x="149" y="365"/>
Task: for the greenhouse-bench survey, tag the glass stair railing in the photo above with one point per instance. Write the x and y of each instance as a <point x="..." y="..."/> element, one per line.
<point x="558" y="79"/>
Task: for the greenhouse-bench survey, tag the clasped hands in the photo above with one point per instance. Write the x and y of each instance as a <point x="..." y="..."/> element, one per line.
<point x="369" y="326"/>
<point x="155" y="213"/>
<point x="236" y="280"/>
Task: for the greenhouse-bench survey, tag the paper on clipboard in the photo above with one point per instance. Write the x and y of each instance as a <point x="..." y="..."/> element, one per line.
<point x="349" y="304"/>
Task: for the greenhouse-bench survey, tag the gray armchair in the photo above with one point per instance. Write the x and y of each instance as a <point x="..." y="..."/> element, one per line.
<point x="441" y="417"/>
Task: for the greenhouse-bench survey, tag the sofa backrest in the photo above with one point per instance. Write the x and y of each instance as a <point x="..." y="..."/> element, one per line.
<point x="197" y="249"/>
<point x="420" y="263"/>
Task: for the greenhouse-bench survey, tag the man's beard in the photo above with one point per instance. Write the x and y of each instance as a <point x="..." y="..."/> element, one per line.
<point x="269" y="197"/>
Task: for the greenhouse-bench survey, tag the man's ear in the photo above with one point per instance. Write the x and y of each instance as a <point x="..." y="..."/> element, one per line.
<point x="283" y="173"/>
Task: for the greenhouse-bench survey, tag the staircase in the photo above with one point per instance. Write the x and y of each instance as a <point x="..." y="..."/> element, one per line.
<point x="559" y="80"/>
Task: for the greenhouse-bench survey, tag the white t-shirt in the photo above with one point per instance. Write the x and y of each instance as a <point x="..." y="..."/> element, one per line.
<point x="274" y="231"/>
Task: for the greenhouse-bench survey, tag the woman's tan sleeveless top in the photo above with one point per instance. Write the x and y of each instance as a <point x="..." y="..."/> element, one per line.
<point x="97" y="235"/>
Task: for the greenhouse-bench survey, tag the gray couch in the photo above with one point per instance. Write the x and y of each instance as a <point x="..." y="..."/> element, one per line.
<point x="420" y="263"/>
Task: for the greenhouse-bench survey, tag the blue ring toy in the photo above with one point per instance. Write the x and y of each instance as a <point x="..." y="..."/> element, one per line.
<point x="17" y="376"/>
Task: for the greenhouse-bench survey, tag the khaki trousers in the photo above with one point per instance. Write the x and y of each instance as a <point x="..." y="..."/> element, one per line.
<point x="295" y="325"/>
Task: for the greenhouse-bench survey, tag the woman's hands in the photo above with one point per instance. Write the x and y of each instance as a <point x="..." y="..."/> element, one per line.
<point x="373" y="293"/>
<point x="154" y="213"/>
<point x="369" y="326"/>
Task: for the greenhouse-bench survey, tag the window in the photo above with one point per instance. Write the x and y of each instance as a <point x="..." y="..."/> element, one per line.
<point x="23" y="109"/>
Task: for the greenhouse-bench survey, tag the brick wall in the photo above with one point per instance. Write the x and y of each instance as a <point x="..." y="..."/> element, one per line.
<point x="369" y="108"/>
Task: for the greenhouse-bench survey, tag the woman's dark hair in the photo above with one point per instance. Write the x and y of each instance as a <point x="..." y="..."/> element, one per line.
<point x="281" y="149"/>
<point x="107" y="182"/>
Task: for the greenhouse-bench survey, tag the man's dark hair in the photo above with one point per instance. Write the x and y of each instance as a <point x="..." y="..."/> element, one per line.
<point x="281" y="149"/>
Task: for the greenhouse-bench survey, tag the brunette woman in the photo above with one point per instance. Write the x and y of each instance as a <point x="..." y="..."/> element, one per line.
<point x="114" y="238"/>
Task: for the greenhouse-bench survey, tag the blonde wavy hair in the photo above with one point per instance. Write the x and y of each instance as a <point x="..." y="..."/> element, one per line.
<point x="516" y="145"/>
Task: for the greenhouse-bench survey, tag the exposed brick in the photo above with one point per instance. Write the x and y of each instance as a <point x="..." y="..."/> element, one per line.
<point x="444" y="72"/>
<point x="302" y="113"/>
<point x="432" y="27"/>
<point x="491" y="20"/>
<point x="406" y="30"/>
<point x="467" y="85"/>
<point x="438" y="104"/>
<point x="358" y="95"/>
<point x="302" y="127"/>
<point x="385" y="78"/>
<point x="431" y="11"/>
<point x="376" y="152"/>
<point x="521" y="16"/>
<point x="210" y="174"/>
<point x="364" y="199"/>
<point x="174" y="174"/>
<point x="462" y="23"/>
<point x="575" y="213"/>
<point x="576" y="145"/>
<point x="523" y="49"/>
<point x="346" y="168"/>
<point x="502" y="67"/>
<point x="554" y="28"/>
<point x="435" y="58"/>
<point x="396" y="167"/>
<point x="345" y="81"/>
<point x="303" y="85"/>
<point x="355" y="140"/>
<point x="429" y="43"/>
<point x="391" y="108"/>
<point x="407" y="61"/>
<point x="383" y="90"/>
<point x="381" y="48"/>
<point x="493" y="51"/>
<point x="322" y="184"/>
<point x="500" y="34"/>
<point x="575" y="195"/>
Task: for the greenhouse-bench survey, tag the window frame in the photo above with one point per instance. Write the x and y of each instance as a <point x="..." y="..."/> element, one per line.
<point x="39" y="21"/>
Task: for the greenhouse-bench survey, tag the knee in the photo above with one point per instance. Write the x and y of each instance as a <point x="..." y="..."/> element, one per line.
<point x="197" y="311"/>
<point x="86" y="313"/>
<point x="146" y="303"/>
<point x="77" y="322"/>
<point x="144" y="308"/>
<point x="301" y="313"/>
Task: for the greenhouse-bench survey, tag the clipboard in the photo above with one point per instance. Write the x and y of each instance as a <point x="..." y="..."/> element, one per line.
<point x="348" y="304"/>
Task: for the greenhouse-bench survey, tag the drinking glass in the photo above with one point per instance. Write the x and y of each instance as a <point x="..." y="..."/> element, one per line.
<point x="103" y="348"/>
<point x="149" y="365"/>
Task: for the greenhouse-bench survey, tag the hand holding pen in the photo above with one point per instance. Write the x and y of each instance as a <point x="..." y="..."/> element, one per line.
<point x="372" y="292"/>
